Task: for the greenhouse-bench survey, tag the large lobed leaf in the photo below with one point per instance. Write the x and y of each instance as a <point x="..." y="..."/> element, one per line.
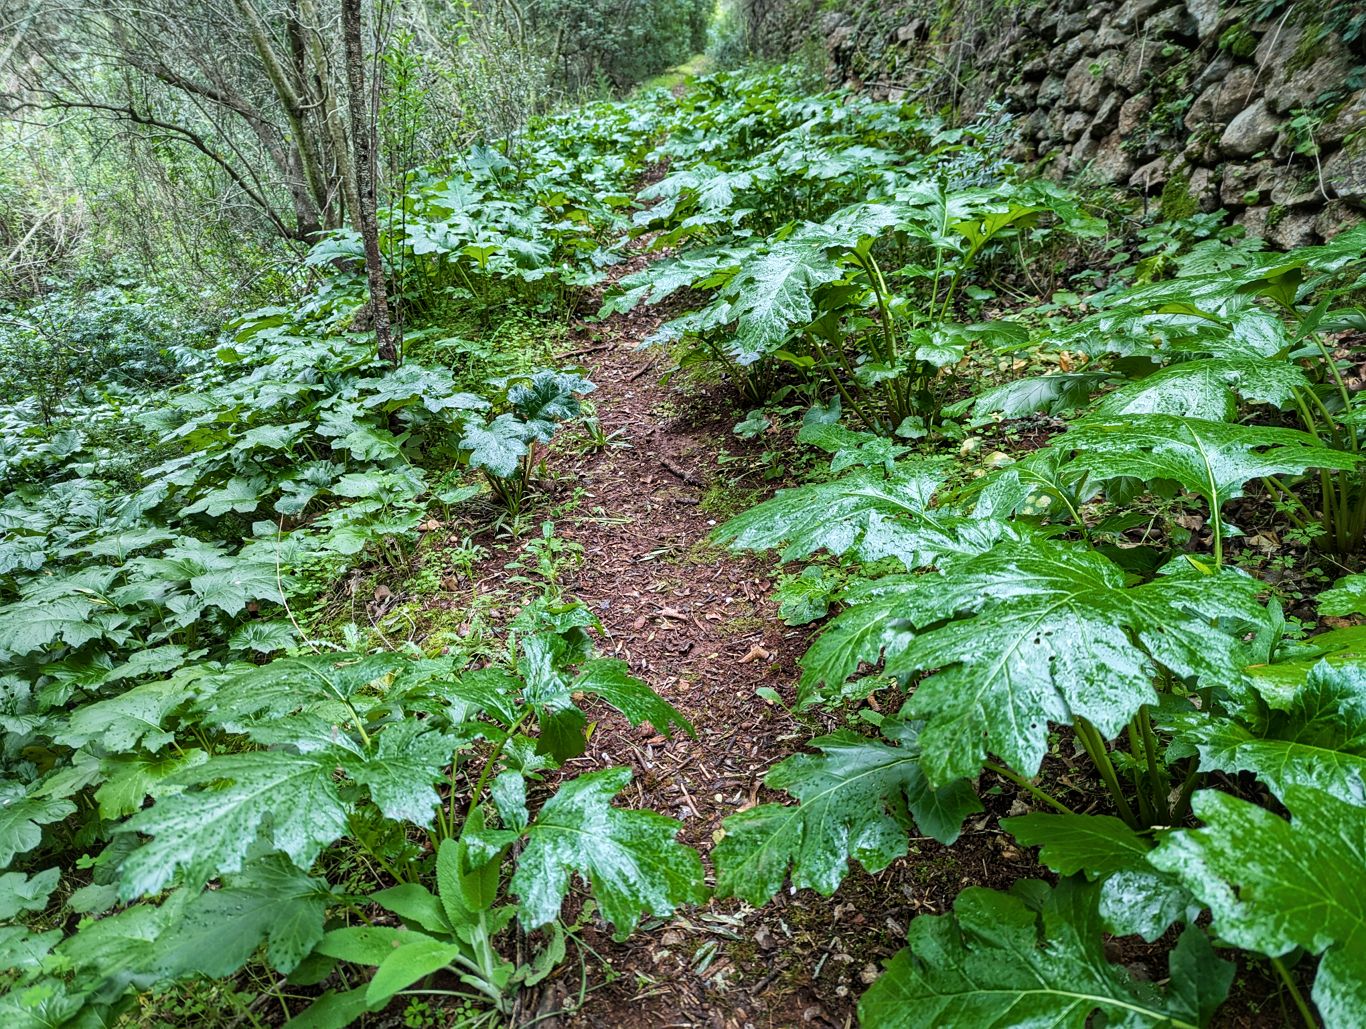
<point x="1026" y="634"/>
<point x="629" y="858"/>
<point x="771" y="297"/>
<point x="1273" y="885"/>
<point x="290" y="799"/>
<point x="1003" y="960"/>
<point x="1135" y="898"/>
<point x="871" y="516"/>
<point x="856" y="802"/>
<point x="1315" y="736"/>
<point x="1210" y="458"/>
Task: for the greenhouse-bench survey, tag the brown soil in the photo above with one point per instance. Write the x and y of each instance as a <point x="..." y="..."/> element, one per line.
<point x="696" y="623"/>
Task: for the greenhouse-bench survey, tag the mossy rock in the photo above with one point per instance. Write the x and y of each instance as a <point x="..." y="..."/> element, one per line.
<point x="1177" y="201"/>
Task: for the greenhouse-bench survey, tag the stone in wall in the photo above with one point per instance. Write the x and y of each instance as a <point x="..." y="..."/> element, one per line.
<point x="1252" y="130"/>
<point x="1255" y="117"/>
<point x="1223" y="98"/>
<point x="1344" y="175"/>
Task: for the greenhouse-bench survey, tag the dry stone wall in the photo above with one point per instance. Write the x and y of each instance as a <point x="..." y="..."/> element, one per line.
<point x="1200" y="104"/>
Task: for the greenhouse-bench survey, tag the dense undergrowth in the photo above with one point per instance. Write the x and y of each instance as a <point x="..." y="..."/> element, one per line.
<point x="202" y="783"/>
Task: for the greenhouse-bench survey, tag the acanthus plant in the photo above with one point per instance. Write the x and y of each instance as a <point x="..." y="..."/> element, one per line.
<point x="290" y="757"/>
<point x="863" y="305"/>
<point x="1008" y="621"/>
<point x="158" y="551"/>
<point x="1233" y="335"/>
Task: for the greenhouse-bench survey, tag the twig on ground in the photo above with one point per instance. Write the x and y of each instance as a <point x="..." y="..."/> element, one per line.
<point x="681" y="472"/>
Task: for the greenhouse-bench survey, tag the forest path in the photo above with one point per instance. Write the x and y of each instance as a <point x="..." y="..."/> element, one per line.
<point x="695" y="622"/>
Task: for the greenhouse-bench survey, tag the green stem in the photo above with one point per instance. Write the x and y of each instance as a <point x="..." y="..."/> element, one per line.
<point x="885" y="356"/>
<point x="1145" y="807"/>
<point x="1027" y="786"/>
<point x="1337" y="378"/>
<point x="1183" y="802"/>
<point x="1283" y="492"/>
<point x="1295" y="994"/>
<point x="1094" y="745"/>
<point x="382" y="861"/>
<point x="848" y="397"/>
<point x="493" y="760"/>
<point x="1157" y="776"/>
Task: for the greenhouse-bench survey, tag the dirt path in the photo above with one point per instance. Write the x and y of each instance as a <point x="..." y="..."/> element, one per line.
<point x="696" y="624"/>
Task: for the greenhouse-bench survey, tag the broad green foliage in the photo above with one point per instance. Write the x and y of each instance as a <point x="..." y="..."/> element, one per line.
<point x="1211" y="459"/>
<point x="857" y="801"/>
<point x="629" y="857"/>
<point x="1347" y="597"/>
<point x="1052" y="639"/>
<point x="157" y="548"/>
<point x="1314" y="736"/>
<point x="1273" y="885"/>
<point x="192" y="786"/>
<point x="836" y="241"/>
<point x="1025" y="601"/>
<point x="1035" y="957"/>
<point x="1135" y="898"/>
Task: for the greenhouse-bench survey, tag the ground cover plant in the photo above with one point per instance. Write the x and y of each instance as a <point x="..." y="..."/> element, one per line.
<point x="207" y="780"/>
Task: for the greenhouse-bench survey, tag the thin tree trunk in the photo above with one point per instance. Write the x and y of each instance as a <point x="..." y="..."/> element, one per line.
<point x="331" y="112"/>
<point x="362" y="144"/>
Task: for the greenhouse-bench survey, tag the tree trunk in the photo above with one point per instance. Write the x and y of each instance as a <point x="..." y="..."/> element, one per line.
<point x="363" y="150"/>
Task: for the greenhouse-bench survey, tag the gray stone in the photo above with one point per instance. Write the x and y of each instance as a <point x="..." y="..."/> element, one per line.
<point x="1206" y="15"/>
<point x="911" y="32"/>
<point x="1133" y="113"/>
<point x="1075" y="126"/>
<point x="1142" y="62"/>
<point x="841" y="39"/>
<point x="1204" y="187"/>
<point x="1151" y="177"/>
<point x="1336" y="217"/>
<point x="1253" y="130"/>
<point x="1277" y="46"/>
<point x="1133" y="12"/>
<point x="1033" y="125"/>
<point x="1291" y="230"/>
<point x="1107" y="115"/>
<point x="832" y="20"/>
<point x="1111" y="163"/>
<point x="1070" y="25"/>
<point x="1292" y="191"/>
<point x="1200" y="149"/>
<point x="1304" y="86"/>
<point x="1222" y="100"/>
<point x="1083" y="150"/>
<point x="1344" y="174"/>
<point x="1173" y="23"/>
<point x="1253" y="221"/>
<point x="1065" y="55"/>
<point x="1050" y="91"/>
<point x="1034" y="70"/>
<point x="1112" y="36"/>
<point x="1244" y="184"/>
<point x="1215" y="70"/>
<point x="1082" y="87"/>
<point x="1349" y="120"/>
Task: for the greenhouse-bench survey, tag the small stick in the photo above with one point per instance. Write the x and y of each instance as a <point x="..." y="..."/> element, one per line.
<point x="640" y="371"/>
<point x="583" y="350"/>
<point x="682" y="473"/>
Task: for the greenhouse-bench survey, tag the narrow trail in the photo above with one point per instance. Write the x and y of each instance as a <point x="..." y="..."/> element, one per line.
<point x="696" y="624"/>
